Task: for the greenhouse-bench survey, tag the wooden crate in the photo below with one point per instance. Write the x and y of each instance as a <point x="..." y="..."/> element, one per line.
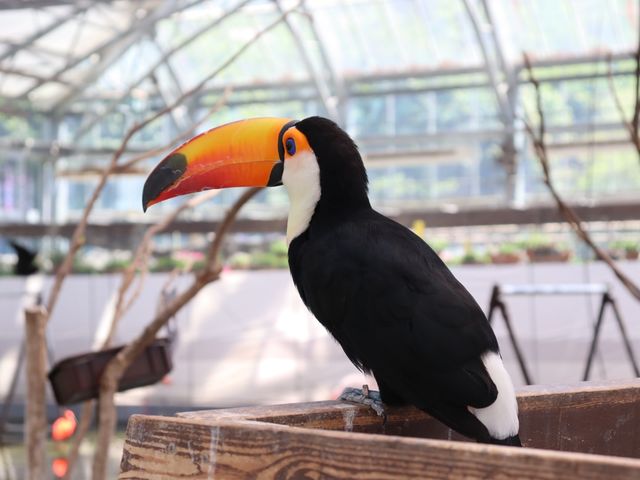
<point x="589" y="431"/>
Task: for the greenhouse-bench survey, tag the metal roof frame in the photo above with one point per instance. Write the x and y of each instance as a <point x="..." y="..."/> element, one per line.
<point x="86" y="126"/>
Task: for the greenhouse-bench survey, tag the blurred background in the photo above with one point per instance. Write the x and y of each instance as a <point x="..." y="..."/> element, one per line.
<point x="436" y="94"/>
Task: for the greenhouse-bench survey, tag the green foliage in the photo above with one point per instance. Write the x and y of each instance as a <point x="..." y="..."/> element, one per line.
<point x="240" y="260"/>
<point x="15" y="127"/>
<point x="276" y="256"/>
<point x="535" y="241"/>
<point x="167" y="264"/>
<point x="437" y="244"/>
<point x="509" y="248"/>
<point x="5" y="270"/>
<point x="81" y="266"/>
<point x="116" y="265"/>
<point x="279" y="248"/>
<point x="268" y="260"/>
<point x="626" y="245"/>
<point x="473" y="258"/>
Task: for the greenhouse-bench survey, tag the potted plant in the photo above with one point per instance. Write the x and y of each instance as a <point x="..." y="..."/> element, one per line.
<point x="167" y="264"/>
<point x="507" y="253"/>
<point x="625" y="248"/>
<point x="275" y="258"/>
<point x="542" y="250"/>
<point x="472" y="258"/>
<point x="116" y="265"/>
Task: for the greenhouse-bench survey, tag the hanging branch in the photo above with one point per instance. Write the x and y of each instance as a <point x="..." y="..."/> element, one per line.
<point x="138" y="264"/>
<point x="78" y="235"/>
<point x="137" y="269"/>
<point x="140" y="261"/>
<point x="84" y="424"/>
<point x="107" y="425"/>
<point x="636" y="90"/>
<point x="569" y="214"/>
<point x="118" y="365"/>
<point x="630" y="126"/>
<point x="222" y="101"/>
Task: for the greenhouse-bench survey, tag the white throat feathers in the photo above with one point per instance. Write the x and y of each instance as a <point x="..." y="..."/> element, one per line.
<point x="301" y="178"/>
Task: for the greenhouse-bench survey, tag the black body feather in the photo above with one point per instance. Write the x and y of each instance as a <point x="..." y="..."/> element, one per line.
<point x="386" y="296"/>
<point x="26" y="260"/>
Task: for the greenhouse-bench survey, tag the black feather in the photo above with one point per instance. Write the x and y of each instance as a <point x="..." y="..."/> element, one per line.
<point x="386" y="296"/>
<point x="26" y="260"/>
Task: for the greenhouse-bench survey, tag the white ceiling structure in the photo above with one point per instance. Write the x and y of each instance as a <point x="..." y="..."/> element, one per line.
<point x="415" y="80"/>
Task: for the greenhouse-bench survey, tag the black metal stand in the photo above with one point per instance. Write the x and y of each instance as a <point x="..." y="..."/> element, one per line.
<point x="608" y="300"/>
<point x="497" y="303"/>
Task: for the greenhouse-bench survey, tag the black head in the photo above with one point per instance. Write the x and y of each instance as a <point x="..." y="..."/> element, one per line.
<point x="343" y="178"/>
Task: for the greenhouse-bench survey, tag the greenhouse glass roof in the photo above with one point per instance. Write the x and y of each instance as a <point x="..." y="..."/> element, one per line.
<point x="433" y="91"/>
<point x="55" y="53"/>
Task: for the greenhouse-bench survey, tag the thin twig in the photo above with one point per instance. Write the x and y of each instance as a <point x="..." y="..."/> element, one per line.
<point x="137" y="269"/>
<point x="140" y="260"/>
<point x="78" y="235"/>
<point x="117" y="366"/>
<point x="629" y="127"/>
<point x="636" y="92"/>
<point x="84" y="424"/>
<point x="222" y="101"/>
<point x="139" y="264"/>
<point x="540" y="148"/>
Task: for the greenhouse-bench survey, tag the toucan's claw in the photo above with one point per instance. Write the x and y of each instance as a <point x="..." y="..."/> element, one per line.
<point x="364" y="396"/>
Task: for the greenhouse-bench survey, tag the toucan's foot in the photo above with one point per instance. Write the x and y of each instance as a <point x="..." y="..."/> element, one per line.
<point x="364" y="396"/>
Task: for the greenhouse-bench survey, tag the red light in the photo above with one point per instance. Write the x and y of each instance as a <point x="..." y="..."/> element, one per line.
<point x="64" y="426"/>
<point x="59" y="466"/>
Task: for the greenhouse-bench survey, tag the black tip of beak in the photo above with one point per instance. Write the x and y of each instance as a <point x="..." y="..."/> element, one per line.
<point x="162" y="177"/>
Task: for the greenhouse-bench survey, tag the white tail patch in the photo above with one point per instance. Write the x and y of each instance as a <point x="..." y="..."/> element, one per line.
<point x="501" y="417"/>
<point x="301" y="177"/>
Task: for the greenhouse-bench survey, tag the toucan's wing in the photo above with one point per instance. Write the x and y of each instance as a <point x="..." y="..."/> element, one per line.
<point x="397" y="310"/>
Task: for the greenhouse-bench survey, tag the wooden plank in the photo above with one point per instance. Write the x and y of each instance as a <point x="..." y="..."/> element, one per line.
<point x="589" y="417"/>
<point x="176" y="448"/>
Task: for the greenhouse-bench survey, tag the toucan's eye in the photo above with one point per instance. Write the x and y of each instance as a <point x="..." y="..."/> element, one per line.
<point x="290" y="145"/>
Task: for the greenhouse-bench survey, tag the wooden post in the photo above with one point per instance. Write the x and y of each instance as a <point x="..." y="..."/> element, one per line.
<point x="36" y="415"/>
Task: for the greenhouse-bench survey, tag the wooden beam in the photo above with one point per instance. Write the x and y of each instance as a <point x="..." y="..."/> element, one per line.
<point x="342" y="440"/>
<point x="120" y="233"/>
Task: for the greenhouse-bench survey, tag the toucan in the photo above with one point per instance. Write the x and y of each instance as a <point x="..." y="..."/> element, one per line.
<point x="387" y="298"/>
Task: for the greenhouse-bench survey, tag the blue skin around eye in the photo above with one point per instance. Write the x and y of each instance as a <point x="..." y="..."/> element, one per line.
<point x="290" y="144"/>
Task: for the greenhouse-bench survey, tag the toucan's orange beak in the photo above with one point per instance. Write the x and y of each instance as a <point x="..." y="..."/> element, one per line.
<point x="247" y="153"/>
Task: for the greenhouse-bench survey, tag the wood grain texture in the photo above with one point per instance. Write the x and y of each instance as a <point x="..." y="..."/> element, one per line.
<point x="157" y="448"/>
<point x="36" y="373"/>
<point x="340" y="440"/>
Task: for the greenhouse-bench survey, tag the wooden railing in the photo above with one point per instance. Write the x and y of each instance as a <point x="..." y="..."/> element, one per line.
<point x="589" y="431"/>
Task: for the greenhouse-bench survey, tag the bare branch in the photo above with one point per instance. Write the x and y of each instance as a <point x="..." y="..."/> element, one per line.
<point x="117" y="366"/>
<point x="140" y="259"/>
<point x="77" y="238"/>
<point x="636" y="91"/>
<point x="84" y="424"/>
<point x="565" y="210"/>
<point x="126" y="166"/>
<point x="631" y="129"/>
<point x="137" y="269"/>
